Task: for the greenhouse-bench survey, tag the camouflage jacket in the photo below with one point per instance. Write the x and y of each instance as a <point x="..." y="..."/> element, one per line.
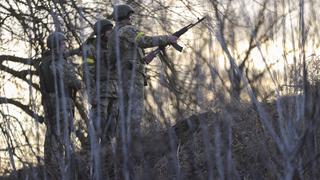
<point x="58" y="81"/>
<point x="95" y="70"/>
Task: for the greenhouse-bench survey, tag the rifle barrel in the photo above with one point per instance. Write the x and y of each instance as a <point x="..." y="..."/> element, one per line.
<point x="197" y="22"/>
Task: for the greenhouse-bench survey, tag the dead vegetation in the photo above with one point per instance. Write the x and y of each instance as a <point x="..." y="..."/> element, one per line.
<point x="229" y="142"/>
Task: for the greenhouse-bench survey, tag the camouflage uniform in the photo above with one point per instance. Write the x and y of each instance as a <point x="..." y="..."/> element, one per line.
<point x="102" y="89"/>
<point x="58" y="83"/>
<point x="125" y="56"/>
<point x="129" y="42"/>
<point x="88" y="70"/>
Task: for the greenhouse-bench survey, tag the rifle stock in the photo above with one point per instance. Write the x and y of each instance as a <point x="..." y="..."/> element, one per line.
<point x="147" y="59"/>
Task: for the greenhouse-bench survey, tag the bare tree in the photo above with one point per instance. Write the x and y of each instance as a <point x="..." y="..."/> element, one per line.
<point x="230" y="132"/>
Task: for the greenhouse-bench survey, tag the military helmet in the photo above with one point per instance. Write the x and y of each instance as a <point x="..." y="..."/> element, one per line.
<point x="121" y="12"/>
<point x="102" y="25"/>
<point x="55" y="39"/>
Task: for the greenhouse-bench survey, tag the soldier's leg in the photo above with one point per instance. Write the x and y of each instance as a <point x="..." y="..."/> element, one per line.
<point x="110" y="116"/>
<point x="60" y="146"/>
<point x="136" y="106"/>
<point x="93" y="118"/>
<point x="94" y="134"/>
<point x="69" y="155"/>
<point x="135" y="113"/>
<point x="48" y="157"/>
<point x="133" y="97"/>
<point x="108" y="126"/>
<point x="52" y="149"/>
<point x="104" y="115"/>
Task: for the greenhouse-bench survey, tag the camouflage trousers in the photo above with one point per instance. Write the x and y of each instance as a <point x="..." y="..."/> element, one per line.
<point x="58" y="149"/>
<point x="104" y="118"/>
<point x="133" y="109"/>
<point x="130" y="119"/>
<point x="133" y="100"/>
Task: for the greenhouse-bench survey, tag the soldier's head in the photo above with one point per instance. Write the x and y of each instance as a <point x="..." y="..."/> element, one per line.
<point x="122" y="12"/>
<point x="57" y="42"/>
<point x="103" y="28"/>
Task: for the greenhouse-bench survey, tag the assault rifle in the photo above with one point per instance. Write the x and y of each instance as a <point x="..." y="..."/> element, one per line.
<point x="147" y="59"/>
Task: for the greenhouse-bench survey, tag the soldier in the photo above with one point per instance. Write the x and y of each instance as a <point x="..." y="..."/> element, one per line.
<point x="125" y="55"/>
<point x="102" y="88"/>
<point x="58" y="84"/>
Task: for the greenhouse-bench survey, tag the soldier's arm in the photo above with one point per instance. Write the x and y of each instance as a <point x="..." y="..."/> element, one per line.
<point x="89" y="52"/>
<point x="44" y="95"/>
<point x="70" y="77"/>
<point x="133" y="35"/>
<point x="43" y="71"/>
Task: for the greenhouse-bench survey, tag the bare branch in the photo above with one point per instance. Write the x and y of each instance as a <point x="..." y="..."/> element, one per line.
<point x="25" y="108"/>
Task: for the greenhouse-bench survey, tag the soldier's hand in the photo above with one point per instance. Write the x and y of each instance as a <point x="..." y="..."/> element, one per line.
<point x="94" y="101"/>
<point x="172" y="39"/>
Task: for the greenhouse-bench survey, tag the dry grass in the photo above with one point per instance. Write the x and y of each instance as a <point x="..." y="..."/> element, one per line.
<point x="228" y="142"/>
